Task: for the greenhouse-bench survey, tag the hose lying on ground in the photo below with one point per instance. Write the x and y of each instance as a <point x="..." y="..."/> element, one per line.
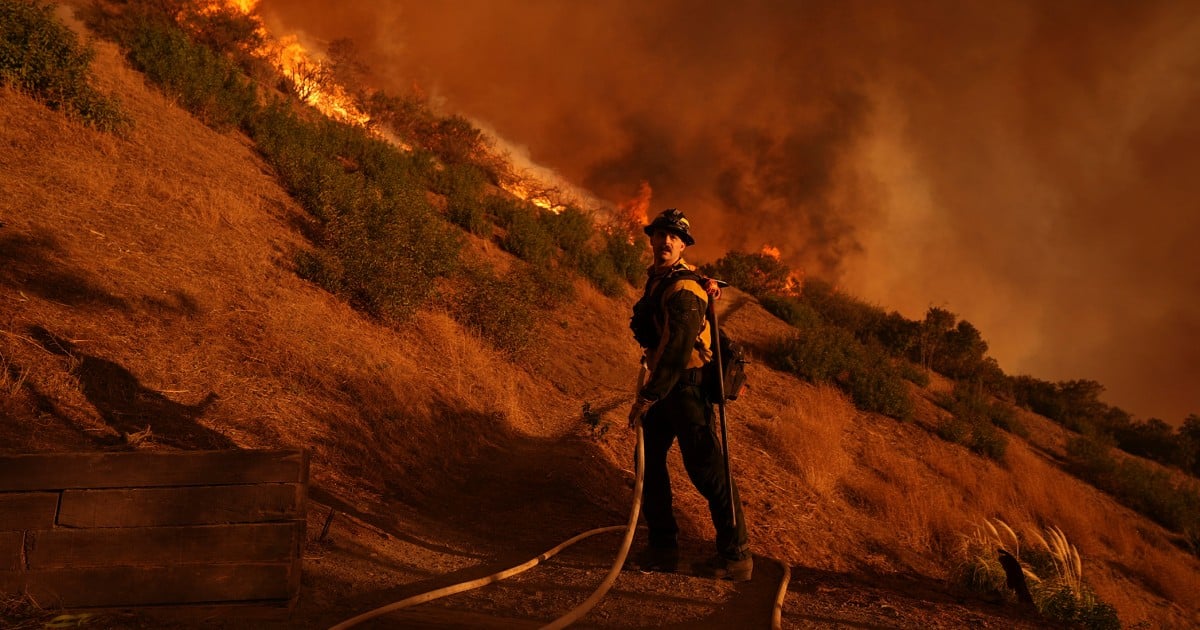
<point x="777" y="610"/>
<point x="567" y="619"/>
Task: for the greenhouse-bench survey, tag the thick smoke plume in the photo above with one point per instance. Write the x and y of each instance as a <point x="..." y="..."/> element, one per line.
<point x="1030" y="166"/>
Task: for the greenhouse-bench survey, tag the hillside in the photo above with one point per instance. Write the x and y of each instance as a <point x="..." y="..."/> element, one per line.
<point x="150" y="300"/>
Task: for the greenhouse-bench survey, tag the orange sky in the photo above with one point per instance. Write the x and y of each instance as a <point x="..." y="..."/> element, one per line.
<point x="1032" y="166"/>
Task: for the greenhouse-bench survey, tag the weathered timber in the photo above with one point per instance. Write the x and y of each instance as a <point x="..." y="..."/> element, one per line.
<point x="27" y="510"/>
<point x="258" y="542"/>
<point x="198" y="505"/>
<point x="11" y="544"/>
<point x="58" y="471"/>
<point x="137" y="586"/>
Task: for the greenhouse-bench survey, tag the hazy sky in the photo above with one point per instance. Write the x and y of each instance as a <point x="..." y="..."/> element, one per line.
<point x="1032" y="166"/>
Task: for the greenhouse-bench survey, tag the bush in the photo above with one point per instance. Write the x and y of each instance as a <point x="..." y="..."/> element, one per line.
<point x="526" y="235"/>
<point x="502" y="309"/>
<point x="43" y="57"/>
<point x="1052" y="570"/>
<point x="204" y="83"/>
<point x="973" y="421"/>
<point x="1153" y="492"/>
<point x="829" y="354"/>
<point x="628" y="255"/>
<point x="571" y="230"/>
<point x="756" y="274"/>
<point x="913" y="373"/>
<point x="792" y="310"/>
<point x="382" y="245"/>
<point x="462" y="184"/>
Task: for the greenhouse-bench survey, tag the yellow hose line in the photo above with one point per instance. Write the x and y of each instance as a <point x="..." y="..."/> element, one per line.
<point x="582" y="609"/>
<point x="561" y="622"/>
<point x="777" y="611"/>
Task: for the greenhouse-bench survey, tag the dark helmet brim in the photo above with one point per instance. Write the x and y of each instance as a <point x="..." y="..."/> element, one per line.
<point x="684" y="236"/>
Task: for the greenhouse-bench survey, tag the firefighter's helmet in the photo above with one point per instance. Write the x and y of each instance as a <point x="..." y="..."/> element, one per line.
<point x="672" y="220"/>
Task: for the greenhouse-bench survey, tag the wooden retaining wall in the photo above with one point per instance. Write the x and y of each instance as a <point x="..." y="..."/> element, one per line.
<point x="107" y="530"/>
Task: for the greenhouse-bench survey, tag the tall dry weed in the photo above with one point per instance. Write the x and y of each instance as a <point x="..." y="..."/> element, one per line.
<point x="811" y="434"/>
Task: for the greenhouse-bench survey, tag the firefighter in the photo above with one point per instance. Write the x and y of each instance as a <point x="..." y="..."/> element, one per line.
<point x="669" y="323"/>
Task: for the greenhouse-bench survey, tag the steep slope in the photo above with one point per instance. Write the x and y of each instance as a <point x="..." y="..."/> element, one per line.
<point x="149" y="301"/>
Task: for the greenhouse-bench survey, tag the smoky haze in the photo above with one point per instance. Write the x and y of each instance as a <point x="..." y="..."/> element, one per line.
<point x="1032" y="167"/>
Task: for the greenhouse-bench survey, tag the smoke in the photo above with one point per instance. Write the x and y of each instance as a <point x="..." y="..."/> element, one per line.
<point x="1029" y="166"/>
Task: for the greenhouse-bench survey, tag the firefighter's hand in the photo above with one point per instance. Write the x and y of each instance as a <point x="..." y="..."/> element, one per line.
<point x="712" y="289"/>
<point x="638" y="411"/>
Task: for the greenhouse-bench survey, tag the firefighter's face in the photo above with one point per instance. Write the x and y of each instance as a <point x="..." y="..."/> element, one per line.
<point x="667" y="247"/>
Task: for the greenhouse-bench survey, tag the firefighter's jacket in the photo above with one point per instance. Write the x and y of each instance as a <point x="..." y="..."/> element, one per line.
<point x="685" y="338"/>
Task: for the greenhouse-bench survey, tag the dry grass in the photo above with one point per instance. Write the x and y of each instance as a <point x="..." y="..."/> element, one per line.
<point x="809" y="434"/>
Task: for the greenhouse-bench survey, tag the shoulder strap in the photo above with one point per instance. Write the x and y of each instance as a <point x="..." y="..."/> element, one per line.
<point x="673" y="279"/>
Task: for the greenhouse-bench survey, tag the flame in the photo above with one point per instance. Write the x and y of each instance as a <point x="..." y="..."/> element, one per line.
<point x="529" y="189"/>
<point x="635" y="212"/>
<point x="795" y="279"/>
<point x="308" y="71"/>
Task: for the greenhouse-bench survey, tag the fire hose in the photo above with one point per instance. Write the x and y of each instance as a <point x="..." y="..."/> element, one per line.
<point x="582" y="609"/>
<point x="576" y="613"/>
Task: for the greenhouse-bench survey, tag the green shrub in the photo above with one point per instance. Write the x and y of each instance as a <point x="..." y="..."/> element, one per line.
<point x="756" y="274"/>
<point x="41" y="56"/>
<point x="913" y="373"/>
<point x="972" y="421"/>
<point x="382" y="245"/>
<point x="462" y="184"/>
<point x="1052" y="569"/>
<point x="792" y="310"/>
<point x="500" y="309"/>
<point x="628" y="255"/>
<point x="526" y="235"/>
<point x="1153" y="492"/>
<point x="601" y="272"/>
<point x="829" y="354"/>
<point x="204" y="83"/>
<point x="571" y="230"/>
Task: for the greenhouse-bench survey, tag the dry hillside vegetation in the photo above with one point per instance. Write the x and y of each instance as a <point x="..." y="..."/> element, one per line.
<point x="148" y="300"/>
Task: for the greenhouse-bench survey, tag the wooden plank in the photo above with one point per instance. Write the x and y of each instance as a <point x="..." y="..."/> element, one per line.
<point x="139" y="586"/>
<point x="27" y="510"/>
<point x="260" y="542"/>
<point x="193" y="505"/>
<point x="58" y="471"/>
<point x="11" y="546"/>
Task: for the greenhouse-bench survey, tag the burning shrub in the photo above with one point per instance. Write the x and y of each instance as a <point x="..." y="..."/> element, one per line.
<point x="41" y="56"/>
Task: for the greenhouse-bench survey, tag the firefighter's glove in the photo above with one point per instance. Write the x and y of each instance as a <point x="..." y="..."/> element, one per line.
<point x="712" y="288"/>
<point x="638" y="411"/>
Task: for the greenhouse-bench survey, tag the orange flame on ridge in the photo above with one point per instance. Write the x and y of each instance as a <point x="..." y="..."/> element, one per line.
<point x="307" y="70"/>
<point x="635" y="211"/>
<point x="770" y="251"/>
